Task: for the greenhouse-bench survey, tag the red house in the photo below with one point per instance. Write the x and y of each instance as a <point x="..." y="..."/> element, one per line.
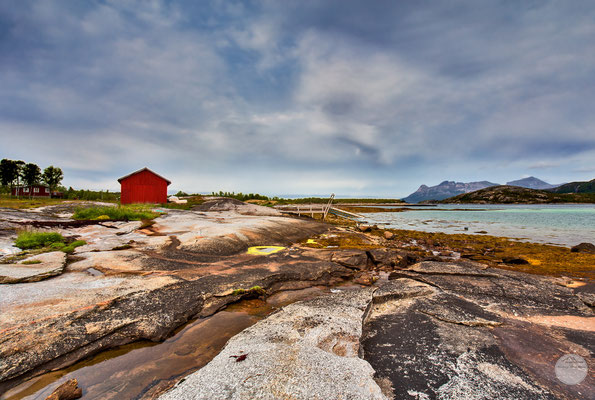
<point x="31" y="191"/>
<point x="143" y="186"/>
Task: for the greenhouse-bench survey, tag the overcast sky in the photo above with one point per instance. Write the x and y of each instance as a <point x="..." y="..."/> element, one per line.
<point x="300" y="97"/>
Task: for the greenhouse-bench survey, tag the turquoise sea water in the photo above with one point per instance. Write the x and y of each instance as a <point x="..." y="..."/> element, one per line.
<point x="556" y="224"/>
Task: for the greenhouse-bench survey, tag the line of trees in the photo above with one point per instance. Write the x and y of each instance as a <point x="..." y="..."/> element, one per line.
<point x="243" y="196"/>
<point x="101" y="195"/>
<point x="16" y="173"/>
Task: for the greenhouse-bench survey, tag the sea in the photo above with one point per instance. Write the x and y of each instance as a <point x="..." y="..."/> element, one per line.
<point x="565" y="225"/>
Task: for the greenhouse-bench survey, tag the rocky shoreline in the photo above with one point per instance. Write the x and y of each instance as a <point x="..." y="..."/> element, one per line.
<point x="435" y="330"/>
<point x="133" y="282"/>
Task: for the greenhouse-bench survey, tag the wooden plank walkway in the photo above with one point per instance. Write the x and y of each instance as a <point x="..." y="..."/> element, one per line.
<point x="311" y="209"/>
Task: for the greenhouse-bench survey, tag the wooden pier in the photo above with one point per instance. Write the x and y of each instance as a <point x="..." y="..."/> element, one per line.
<point x="312" y="209"/>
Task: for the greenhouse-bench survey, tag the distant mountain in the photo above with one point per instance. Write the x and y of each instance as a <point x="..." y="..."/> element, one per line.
<point x="519" y="195"/>
<point x="576" y="187"/>
<point x="531" y="183"/>
<point x="445" y="190"/>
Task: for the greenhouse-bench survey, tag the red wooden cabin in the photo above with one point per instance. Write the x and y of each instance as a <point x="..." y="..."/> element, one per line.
<point x="143" y="186"/>
<point x="31" y="191"/>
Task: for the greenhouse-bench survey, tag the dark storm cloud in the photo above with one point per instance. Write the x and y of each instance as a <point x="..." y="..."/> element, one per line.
<point x="360" y="97"/>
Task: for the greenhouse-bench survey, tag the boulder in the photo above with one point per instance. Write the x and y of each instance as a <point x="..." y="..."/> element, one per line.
<point x="390" y="259"/>
<point x="365" y="278"/>
<point x="69" y="390"/>
<point x="364" y="228"/>
<point x="353" y="259"/>
<point x="388" y="235"/>
<point x="583" y="248"/>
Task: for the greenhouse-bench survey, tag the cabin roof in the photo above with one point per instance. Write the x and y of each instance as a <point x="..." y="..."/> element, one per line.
<point x="141" y="170"/>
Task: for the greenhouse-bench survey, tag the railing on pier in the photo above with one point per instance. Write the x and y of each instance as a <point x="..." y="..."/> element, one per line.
<point x="323" y="209"/>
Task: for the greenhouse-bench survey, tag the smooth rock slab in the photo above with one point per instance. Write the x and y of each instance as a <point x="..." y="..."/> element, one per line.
<point x="460" y="330"/>
<point x="51" y="264"/>
<point x="308" y="350"/>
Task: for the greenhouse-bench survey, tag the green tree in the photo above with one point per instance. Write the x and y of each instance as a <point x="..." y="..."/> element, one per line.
<point x="31" y="175"/>
<point x="19" y="165"/>
<point x="52" y="176"/>
<point x="9" y="172"/>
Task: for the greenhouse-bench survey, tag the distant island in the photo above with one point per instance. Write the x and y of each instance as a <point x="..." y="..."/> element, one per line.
<point x="576" y="187"/>
<point x="445" y="189"/>
<point x="531" y="183"/>
<point x="506" y="194"/>
<point x="512" y="192"/>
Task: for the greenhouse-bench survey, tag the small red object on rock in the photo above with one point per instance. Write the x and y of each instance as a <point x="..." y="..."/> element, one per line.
<point x="240" y="357"/>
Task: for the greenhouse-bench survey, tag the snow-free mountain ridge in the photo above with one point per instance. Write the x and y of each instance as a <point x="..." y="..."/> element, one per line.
<point x="445" y="190"/>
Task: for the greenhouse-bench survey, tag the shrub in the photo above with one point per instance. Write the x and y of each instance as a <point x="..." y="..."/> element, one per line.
<point x="35" y="240"/>
<point x="70" y="248"/>
<point x="128" y="213"/>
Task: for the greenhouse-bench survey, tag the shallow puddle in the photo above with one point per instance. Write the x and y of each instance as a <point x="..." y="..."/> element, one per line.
<point x="143" y="369"/>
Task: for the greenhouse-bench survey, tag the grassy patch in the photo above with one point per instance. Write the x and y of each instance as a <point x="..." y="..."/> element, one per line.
<point x="70" y="248"/>
<point x="341" y="240"/>
<point x="36" y="240"/>
<point x="192" y="201"/>
<point x="333" y="219"/>
<point x="43" y="242"/>
<point x="254" y="291"/>
<point x="31" y="262"/>
<point x="121" y="213"/>
<point x="25" y="203"/>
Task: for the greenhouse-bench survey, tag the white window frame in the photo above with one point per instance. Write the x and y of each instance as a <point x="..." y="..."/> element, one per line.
<point x="26" y="190"/>
<point x="36" y="190"/>
<point x="47" y="190"/>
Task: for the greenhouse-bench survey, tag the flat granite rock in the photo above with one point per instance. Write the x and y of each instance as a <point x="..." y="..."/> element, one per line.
<point x="308" y="350"/>
<point x="187" y="264"/>
<point x="459" y="331"/>
<point x="48" y="265"/>
<point x="440" y="330"/>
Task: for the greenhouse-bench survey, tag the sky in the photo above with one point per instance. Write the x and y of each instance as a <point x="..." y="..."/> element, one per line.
<point x="360" y="98"/>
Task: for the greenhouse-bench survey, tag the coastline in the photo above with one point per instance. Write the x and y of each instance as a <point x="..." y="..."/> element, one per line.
<point x="564" y="225"/>
<point x="323" y="254"/>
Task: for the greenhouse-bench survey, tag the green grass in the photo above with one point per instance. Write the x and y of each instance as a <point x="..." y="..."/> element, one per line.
<point x="254" y="291"/>
<point x="45" y="241"/>
<point x="70" y="248"/>
<point x="121" y="213"/>
<point x="25" y="202"/>
<point x="30" y="262"/>
<point x="191" y="202"/>
<point x="36" y="240"/>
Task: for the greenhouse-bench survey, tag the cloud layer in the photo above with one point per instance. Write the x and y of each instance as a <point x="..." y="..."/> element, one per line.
<point x="300" y="97"/>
